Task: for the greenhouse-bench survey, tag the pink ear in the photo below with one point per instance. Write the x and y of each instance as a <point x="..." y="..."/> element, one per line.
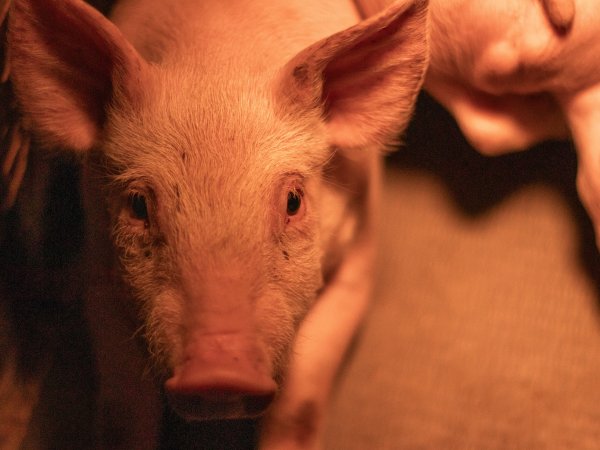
<point x="68" y="62"/>
<point x="366" y="78"/>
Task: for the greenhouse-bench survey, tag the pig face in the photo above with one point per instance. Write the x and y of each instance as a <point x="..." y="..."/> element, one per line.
<point x="215" y="213"/>
<point x="216" y="190"/>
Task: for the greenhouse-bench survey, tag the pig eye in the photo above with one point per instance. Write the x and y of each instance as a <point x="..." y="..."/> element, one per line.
<point x="138" y="206"/>
<point x="294" y="202"/>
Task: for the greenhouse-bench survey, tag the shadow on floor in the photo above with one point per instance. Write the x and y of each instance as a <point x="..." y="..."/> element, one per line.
<point x="434" y="144"/>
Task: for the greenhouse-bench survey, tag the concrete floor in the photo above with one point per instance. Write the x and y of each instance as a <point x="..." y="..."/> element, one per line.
<point x="485" y="329"/>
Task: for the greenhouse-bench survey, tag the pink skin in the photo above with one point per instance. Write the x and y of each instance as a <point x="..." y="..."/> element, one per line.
<point x="230" y="162"/>
<point x="517" y="73"/>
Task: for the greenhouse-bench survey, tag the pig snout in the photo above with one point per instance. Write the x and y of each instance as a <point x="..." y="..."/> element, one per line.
<point x="223" y="376"/>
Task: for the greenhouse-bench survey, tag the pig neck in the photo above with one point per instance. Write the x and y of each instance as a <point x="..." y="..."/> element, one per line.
<point x="258" y="35"/>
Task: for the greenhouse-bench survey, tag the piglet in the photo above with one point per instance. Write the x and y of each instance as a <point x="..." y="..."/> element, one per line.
<point x="230" y="157"/>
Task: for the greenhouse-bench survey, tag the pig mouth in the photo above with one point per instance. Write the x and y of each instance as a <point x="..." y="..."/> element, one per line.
<point x="199" y="395"/>
<point x="220" y="404"/>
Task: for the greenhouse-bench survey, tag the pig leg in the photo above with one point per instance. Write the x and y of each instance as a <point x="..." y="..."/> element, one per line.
<point x="297" y="418"/>
<point x="583" y="115"/>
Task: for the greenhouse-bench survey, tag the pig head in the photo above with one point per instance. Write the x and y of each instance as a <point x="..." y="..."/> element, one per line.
<point x="224" y="173"/>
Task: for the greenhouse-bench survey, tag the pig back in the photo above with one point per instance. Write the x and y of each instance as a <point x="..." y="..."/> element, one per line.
<point x="264" y="31"/>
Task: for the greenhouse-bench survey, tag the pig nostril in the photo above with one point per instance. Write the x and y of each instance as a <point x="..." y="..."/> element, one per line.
<point x="219" y="404"/>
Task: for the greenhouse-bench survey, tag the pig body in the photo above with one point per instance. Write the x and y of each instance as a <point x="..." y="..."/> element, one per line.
<point x="515" y="83"/>
<point x="230" y="172"/>
<point x="517" y="73"/>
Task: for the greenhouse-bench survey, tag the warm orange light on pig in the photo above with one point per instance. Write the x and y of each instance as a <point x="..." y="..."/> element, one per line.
<point x="230" y="153"/>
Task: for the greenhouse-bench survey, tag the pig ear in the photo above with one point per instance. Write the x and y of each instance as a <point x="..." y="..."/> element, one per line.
<point x="68" y="62"/>
<point x="364" y="79"/>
